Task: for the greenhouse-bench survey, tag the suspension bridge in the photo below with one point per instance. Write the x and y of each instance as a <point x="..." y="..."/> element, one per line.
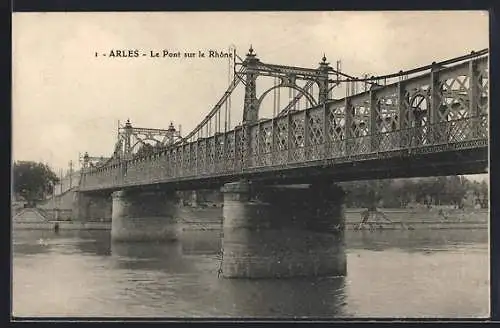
<point x="428" y="121"/>
<point x="431" y="120"/>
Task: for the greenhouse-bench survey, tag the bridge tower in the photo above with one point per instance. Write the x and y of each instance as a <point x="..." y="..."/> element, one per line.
<point x="323" y="82"/>
<point x="250" y="107"/>
<point x="127" y="137"/>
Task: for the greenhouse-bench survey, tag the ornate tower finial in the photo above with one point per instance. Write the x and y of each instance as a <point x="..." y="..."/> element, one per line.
<point x="250" y="52"/>
<point x="324" y="63"/>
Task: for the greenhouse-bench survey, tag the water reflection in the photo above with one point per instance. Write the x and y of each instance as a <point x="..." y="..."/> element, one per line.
<point x="166" y="257"/>
<point x="445" y="273"/>
<point x="201" y="242"/>
<point x="286" y="298"/>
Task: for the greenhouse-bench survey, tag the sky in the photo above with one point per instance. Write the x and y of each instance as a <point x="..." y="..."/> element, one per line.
<point x="67" y="101"/>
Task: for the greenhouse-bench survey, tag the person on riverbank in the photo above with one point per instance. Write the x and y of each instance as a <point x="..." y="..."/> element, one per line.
<point x="365" y="215"/>
<point x="442" y="215"/>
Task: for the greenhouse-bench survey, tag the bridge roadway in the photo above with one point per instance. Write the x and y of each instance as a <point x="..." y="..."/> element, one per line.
<point x="432" y="124"/>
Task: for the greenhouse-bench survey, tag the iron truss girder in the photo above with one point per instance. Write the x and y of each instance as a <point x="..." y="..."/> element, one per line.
<point x="151" y="131"/>
<point x="281" y="71"/>
<point x="283" y="75"/>
<point x="97" y="158"/>
<point x="305" y="73"/>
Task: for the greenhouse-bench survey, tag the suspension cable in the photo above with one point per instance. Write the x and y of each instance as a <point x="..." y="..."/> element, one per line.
<point x="236" y="80"/>
<point x="473" y="54"/>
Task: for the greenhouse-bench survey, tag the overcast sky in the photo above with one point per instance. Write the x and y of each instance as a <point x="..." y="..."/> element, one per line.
<point x="66" y="101"/>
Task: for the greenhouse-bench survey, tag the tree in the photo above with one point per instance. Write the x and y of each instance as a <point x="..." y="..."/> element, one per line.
<point x="457" y="189"/>
<point x="33" y="181"/>
<point x="484" y="194"/>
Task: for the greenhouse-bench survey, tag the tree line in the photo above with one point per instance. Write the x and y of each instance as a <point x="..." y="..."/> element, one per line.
<point x="432" y="191"/>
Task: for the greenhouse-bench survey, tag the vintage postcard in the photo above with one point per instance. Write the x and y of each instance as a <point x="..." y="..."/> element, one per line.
<point x="290" y="165"/>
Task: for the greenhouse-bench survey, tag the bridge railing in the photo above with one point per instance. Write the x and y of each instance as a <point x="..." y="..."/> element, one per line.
<point x="446" y="109"/>
<point x="469" y="132"/>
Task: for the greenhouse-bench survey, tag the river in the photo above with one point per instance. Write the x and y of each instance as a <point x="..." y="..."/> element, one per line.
<point x="394" y="273"/>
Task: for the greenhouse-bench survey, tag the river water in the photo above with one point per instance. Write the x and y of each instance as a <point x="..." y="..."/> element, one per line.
<point x="419" y="273"/>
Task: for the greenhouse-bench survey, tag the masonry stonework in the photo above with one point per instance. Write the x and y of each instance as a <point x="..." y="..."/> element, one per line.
<point x="144" y="216"/>
<point x="91" y="207"/>
<point x="272" y="232"/>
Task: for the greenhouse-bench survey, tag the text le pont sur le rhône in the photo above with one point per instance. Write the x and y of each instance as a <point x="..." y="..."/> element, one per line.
<point x="134" y="53"/>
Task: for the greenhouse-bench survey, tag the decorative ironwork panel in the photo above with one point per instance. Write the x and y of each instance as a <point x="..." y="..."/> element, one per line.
<point x="483" y="127"/>
<point x="141" y="167"/>
<point x="419" y="136"/>
<point x="454" y="104"/>
<point x="297" y="142"/>
<point x="459" y="130"/>
<point x="389" y="141"/>
<point x="165" y="159"/>
<point x="186" y="160"/>
<point x="416" y="101"/>
<point x="336" y="147"/>
<point x="360" y="129"/>
<point x="149" y="167"/>
<point x="219" y="152"/>
<point x="166" y="162"/>
<point x="436" y="133"/>
<point x="265" y="143"/>
<point x="202" y="156"/>
<point x="211" y="155"/>
<point x="240" y="147"/>
<point x="192" y="158"/>
<point x="229" y="152"/>
<point x="254" y="145"/>
<point x="129" y="177"/>
<point x="418" y="114"/>
<point x="315" y="134"/>
<point x="179" y="163"/>
<point x="387" y="111"/>
<point x="359" y="145"/>
<point x="160" y="166"/>
<point x="174" y="162"/>
<point x="280" y="151"/>
<point x="336" y="124"/>
<point x="136" y="171"/>
<point x="361" y="118"/>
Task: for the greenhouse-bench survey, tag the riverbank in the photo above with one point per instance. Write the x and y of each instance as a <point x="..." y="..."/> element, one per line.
<point x="62" y="225"/>
<point x="210" y="219"/>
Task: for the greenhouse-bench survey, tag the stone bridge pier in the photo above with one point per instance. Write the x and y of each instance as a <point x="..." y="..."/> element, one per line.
<point x="144" y="216"/>
<point x="283" y="231"/>
<point x="91" y="207"/>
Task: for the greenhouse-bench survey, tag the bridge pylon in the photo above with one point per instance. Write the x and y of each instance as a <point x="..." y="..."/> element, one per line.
<point x="288" y="77"/>
<point x="130" y="138"/>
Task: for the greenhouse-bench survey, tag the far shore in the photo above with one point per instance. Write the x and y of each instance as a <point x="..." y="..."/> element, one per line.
<point x="416" y="218"/>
